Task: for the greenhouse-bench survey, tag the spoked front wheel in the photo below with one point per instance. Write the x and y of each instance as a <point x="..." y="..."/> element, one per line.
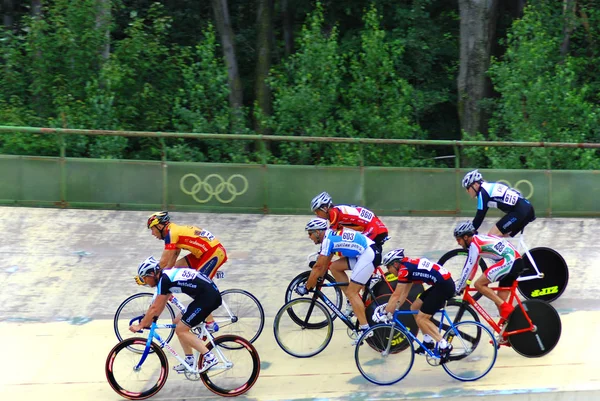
<point x="379" y="356"/>
<point x="129" y="380"/>
<point x="546" y="333"/>
<point x="556" y="275"/>
<point x="240" y="314"/>
<point x="132" y="310"/>
<point x="474" y="351"/>
<point x="299" y="330"/>
<point x="238" y="367"/>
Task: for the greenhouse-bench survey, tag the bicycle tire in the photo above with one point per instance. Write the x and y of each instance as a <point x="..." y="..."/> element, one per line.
<point x="458" y="311"/>
<point x="139" y="303"/>
<point x="544" y="339"/>
<point x="380" y="351"/>
<point x="212" y="378"/>
<point x="133" y="359"/>
<point x="556" y="275"/>
<point x="467" y="353"/>
<point x="290" y="292"/>
<point x="302" y="325"/>
<point x="247" y="317"/>
<point x="407" y="319"/>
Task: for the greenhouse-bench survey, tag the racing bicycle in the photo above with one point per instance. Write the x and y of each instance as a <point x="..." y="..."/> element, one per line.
<point x="545" y="276"/>
<point x="472" y="356"/>
<point x="137" y="377"/>
<point x="533" y="328"/>
<point x="240" y="313"/>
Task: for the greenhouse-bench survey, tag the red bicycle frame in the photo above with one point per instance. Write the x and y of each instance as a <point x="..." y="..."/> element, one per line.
<point x="467" y="297"/>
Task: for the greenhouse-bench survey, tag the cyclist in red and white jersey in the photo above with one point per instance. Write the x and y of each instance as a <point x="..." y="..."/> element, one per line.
<point x="357" y="218"/>
<point x="354" y="217"/>
<point x="506" y="270"/>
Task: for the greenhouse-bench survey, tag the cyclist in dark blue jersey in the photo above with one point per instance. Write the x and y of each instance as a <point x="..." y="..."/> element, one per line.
<point x="519" y="211"/>
<point x="206" y="298"/>
<point x="433" y="299"/>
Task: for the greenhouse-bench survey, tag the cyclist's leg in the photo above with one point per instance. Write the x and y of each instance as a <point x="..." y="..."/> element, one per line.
<point x="338" y="270"/>
<point x="418" y="304"/>
<point x="508" y="280"/>
<point x="208" y="264"/>
<point x="362" y="269"/>
<point x="196" y="313"/>
<point x="492" y="274"/>
<point x="506" y="224"/>
<point x="433" y="299"/>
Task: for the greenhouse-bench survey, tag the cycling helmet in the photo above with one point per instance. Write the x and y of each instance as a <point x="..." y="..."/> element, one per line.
<point x="391" y="256"/>
<point x="317" y="224"/>
<point x="471" y="177"/>
<point x="323" y="199"/>
<point x="158" y="218"/>
<point x="148" y="267"/>
<point x="464" y="228"/>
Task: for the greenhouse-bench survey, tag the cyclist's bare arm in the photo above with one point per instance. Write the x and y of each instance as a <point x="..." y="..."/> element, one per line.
<point x="318" y="270"/>
<point x="398" y="297"/>
<point x="155" y="310"/>
<point x="168" y="258"/>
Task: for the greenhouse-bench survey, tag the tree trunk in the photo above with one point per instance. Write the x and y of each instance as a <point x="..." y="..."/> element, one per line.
<point x="103" y="24"/>
<point x="36" y="8"/>
<point x="8" y="10"/>
<point x="568" y="27"/>
<point x="225" y="30"/>
<point x="264" y="22"/>
<point x="287" y="17"/>
<point x="477" y="34"/>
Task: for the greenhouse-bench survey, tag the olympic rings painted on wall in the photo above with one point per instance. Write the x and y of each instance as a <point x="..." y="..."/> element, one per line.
<point x="517" y="186"/>
<point x="220" y="186"/>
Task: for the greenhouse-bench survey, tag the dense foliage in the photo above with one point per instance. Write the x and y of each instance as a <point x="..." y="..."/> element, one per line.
<point x="379" y="69"/>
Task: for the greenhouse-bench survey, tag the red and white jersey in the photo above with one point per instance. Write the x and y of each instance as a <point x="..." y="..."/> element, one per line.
<point x="358" y="218"/>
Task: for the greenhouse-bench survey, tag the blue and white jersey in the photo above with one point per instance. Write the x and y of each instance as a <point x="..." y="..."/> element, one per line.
<point x="347" y="242"/>
<point x="498" y="196"/>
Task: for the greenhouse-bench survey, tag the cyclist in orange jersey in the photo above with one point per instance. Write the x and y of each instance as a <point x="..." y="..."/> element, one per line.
<point x="207" y="254"/>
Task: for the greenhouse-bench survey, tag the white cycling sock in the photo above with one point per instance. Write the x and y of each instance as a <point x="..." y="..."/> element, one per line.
<point x="364" y="327"/>
<point x="443" y="344"/>
<point x="427" y="338"/>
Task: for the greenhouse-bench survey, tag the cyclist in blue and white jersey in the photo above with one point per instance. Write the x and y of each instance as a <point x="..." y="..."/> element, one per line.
<point x="206" y="298"/>
<point x="519" y="212"/>
<point x="361" y="255"/>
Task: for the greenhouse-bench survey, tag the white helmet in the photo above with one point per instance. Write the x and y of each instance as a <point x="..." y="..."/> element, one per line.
<point x="323" y="199"/>
<point x="148" y="267"/>
<point x="317" y="224"/>
<point x="391" y="256"/>
<point x="464" y="228"/>
<point x="471" y="177"/>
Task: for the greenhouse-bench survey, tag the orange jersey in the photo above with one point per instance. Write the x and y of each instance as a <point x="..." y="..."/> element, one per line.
<point x="356" y="217"/>
<point x="190" y="238"/>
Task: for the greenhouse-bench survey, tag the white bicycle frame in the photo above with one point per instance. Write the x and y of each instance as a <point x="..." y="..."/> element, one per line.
<point x="523" y="246"/>
<point x="223" y="364"/>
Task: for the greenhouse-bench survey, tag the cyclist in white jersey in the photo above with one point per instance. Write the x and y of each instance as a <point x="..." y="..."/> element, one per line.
<point x="506" y="270"/>
<point x="519" y="211"/>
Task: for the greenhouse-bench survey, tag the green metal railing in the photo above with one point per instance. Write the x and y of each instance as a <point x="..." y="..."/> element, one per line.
<point x="63" y="181"/>
<point x="261" y="139"/>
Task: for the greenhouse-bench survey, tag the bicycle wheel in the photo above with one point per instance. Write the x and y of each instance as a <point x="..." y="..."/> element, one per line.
<point x="240" y="314"/>
<point x="556" y="275"/>
<point x="238" y="367"/>
<point x="301" y="336"/>
<point x="379" y="359"/>
<point x="547" y="332"/>
<point x="454" y="262"/>
<point x="132" y="310"/>
<point x="470" y="360"/>
<point x="131" y="383"/>
<point x="459" y="311"/>
<point x="408" y="320"/>
<point x="334" y="294"/>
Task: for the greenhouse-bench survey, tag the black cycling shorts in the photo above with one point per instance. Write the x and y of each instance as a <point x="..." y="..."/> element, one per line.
<point x="514" y="273"/>
<point x="199" y="309"/>
<point x="434" y="298"/>
<point x="515" y="221"/>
